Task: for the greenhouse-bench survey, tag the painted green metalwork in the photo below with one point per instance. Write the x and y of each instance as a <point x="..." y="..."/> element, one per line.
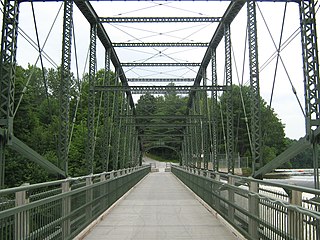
<point x="229" y="104"/>
<point x="157" y="19"/>
<point x="158" y="64"/>
<point x="64" y="99"/>
<point x="284" y="157"/>
<point x="7" y="77"/>
<point x="91" y="98"/>
<point x="106" y="113"/>
<point x="62" y="209"/>
<point x="159" y="89"/>
<point x="214" y="113"/>
<point x="205" y="122"/>
<point x="117" y="125"/>
<point x="166" y="117"/>
<point x="254" y="87"/>
<point x="123" y="133"/>
<point x="160" y="80"/>
<point x="257" y="209"/>
<point x="311" y="78"/>
<point x="164" y="44"/>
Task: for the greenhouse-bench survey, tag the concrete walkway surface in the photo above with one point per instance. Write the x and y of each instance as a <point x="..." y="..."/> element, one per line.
<point x="160" y="207"/>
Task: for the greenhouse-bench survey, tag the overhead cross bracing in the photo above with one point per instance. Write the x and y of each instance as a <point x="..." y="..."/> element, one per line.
<point x="172" y="44"/>
<point x="160" y="80"/>
<point x="185" y="48"/>
<point x="158" y="19"/>
<point x="160" y="64"/>
<point x="160" y="89"/>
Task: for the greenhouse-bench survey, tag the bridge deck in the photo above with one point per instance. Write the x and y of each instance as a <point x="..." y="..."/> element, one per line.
<point x="160" y="207"/>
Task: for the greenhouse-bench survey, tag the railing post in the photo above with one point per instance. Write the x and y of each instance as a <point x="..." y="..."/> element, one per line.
<point x="253" y="207"/>
<point x="112" y="175"/>
<point x="22" y="220"/>
<point x="66" y="209"/>
<point x="89" y="197"/>
<point x="217" y="200"/>
<point x="231" y="181"/>
<point x="103" y="191"/>
<point x="295" y="220"/>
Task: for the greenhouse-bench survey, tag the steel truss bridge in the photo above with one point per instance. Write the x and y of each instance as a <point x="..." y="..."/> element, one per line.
<point x="197" y="137"/>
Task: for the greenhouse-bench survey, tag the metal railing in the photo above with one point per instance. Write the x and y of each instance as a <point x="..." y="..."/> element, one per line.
<point x="257" y="209"/>
<point x="62" y="209"/>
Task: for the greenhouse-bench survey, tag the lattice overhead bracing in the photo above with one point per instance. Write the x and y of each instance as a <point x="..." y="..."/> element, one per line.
<point x="165" y="44"/>
<point x="160" y="79"/>
<point x="158" y="19"/>
<point x="160" y="64"/>
<point x="159" y="89"/>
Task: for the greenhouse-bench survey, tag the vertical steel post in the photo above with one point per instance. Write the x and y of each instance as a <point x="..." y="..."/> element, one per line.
<point x="91" y="98"/>
<point x="205" y="122"/>
<point x="311" y="77"/>
<point x="64" y="102"/>
<point x="106" y="112"/>
<point x="199" y="132"/>
<point x="215" y="112"/>
<point x="122" y="132"/>
<point x="116" y="131"/>
<point x="229" y="105"/>
<point x="254" y="87"/>
<point x="7" y="77"/>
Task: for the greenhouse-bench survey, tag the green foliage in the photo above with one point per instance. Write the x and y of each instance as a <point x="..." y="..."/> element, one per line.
<point x="273" y="136"/>
<point x="170" y="104"/>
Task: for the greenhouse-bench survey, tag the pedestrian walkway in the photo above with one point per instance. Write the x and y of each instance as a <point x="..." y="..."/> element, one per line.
<point x="160" y="207"/>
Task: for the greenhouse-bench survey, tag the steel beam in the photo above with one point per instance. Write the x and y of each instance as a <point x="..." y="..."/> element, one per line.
<point x="229" y="103"/>
<point x="172" y="64"/>
<point x="163" y="44"/>
<point x="106" y="113"/>
<point x="91" y="99"/>
<point x="158" y="19"/>
<point x="311" y="78"/>
<point x="161" y="125"/>
<point x="7" y="77"/>
<point x="64" y="100"/>
<point x="229" y="15"/>
<point x="254" y="87"/>
<point x="161" y="135"/>
<point x="284" y="157"/>
<point x="159" y="89"/>
<point x="160" y="79"/>
<point x="89" y="13"/>
<point x="176" y="117"/>
<point x="32" y="155"/>
<point x="214" y="113"/>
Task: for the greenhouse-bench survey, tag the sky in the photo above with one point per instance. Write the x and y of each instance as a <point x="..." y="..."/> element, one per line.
<point x="284" y="101"/>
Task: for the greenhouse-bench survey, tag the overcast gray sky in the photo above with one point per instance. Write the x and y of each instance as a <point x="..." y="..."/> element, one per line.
<point x="284" y="101"/>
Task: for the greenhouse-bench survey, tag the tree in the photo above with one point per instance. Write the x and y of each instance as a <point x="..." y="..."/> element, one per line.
<point x="273" y="141"/>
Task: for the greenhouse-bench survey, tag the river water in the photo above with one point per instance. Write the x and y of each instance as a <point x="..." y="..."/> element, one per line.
<point x="294" y="177"/>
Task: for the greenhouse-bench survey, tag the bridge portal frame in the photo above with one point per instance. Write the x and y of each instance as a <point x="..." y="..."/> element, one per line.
<point x="310" y="60"/>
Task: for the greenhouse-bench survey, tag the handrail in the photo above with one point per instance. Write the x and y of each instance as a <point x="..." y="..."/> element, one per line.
<point x="254" y="207"/>
<point x="62" y="209"/>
